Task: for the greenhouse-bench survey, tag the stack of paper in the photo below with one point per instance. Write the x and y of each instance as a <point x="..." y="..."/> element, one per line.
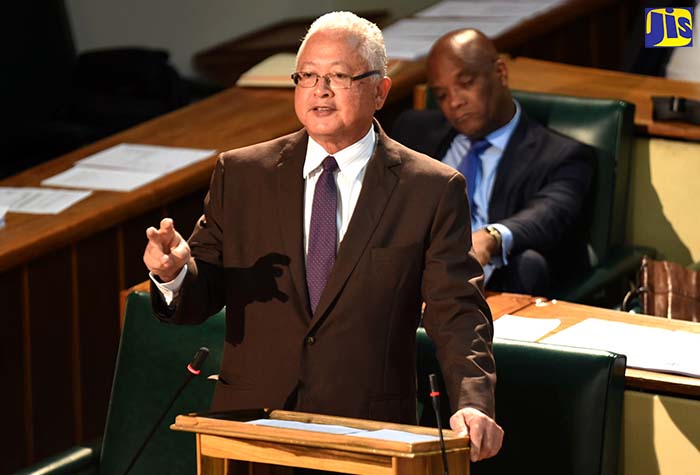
<point x="523" y="328"/>
<point x="383" y="434"/>
<point x="126" y="167"/>
<point x="412" y="38"/>
<point x="651" y="348"/>
<point x="38" y="200"/>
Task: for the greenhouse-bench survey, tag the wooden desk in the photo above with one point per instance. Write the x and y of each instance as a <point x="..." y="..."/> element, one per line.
<point x="557" y="78"/>
<point x="635" y="379"/>
<point x="219" y="440"/>
<point x="661" y="420"/>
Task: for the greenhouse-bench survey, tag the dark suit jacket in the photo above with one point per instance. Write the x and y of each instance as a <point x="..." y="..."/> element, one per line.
<point x="540" y="190"/>
<point x="356" y="356"/>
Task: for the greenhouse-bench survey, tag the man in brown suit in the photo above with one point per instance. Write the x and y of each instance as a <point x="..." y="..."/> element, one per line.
<point x="335" y="333"/>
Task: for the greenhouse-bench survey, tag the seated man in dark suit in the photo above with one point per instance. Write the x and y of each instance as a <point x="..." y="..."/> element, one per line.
<point x="527" y="185"/>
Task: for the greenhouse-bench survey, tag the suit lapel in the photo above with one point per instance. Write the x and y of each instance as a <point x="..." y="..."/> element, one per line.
<point x="377" y="187"/>
<point x="290" y="207"/>
<point x="514" y="162"/>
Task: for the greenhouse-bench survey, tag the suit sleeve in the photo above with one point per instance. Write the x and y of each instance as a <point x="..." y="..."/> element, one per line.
<point x="456" y="315"/>
<point x="202" y="292"/>
<point x="552" y="211"/>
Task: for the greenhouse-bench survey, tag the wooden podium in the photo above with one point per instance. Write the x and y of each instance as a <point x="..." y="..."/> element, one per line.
<point x="220" y="442"/>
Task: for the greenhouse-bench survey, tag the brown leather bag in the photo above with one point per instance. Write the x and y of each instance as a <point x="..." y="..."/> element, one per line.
<point x="667" y="289"/>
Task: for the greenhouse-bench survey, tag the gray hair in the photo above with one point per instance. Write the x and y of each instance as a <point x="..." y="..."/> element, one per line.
<point x="371" y="40"/>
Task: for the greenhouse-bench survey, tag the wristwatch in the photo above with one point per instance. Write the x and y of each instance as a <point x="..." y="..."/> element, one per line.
<point x="496" y="234"/>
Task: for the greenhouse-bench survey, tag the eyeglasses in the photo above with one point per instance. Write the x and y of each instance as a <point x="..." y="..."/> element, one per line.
<point x="333" y="80"/>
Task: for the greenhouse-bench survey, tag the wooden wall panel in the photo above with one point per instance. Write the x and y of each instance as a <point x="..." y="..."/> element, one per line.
<point x="98" y="327"/>
<point x="52" y="345"/>
<point x="15" y="450"/>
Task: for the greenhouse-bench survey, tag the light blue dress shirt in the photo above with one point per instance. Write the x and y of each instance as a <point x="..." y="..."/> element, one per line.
<point x="485" y="178"/>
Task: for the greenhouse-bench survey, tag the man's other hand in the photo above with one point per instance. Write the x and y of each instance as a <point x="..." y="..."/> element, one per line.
<point x="166" y="252"/>
<point x="483" y="246"/>
<point x="485" y="435"/>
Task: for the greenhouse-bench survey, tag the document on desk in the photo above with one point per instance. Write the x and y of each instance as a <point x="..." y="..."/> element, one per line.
<point x="513" y="327"/>
<point x="3" y="213"/>
<point x="310" y="426"/>
<point x="383" y="434"/>
<point x="496" y="8"/>
<point x="145" y="158"/>
<point x="126" y="167"/>
<point x="412" y="38"/>
<point x="655" y="349"/>
<point x="39" y="200"/>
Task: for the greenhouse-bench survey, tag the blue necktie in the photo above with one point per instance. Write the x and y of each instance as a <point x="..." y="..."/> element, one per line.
<point x="323" y="232"/>
<point x="469" y="166"/>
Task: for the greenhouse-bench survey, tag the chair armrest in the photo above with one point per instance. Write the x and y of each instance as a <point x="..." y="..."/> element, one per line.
<point x="602" y="284"/>
<point x="80" y="460"/>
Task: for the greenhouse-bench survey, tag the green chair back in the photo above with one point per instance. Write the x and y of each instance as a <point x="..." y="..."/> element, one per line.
<point x="151" y="366"/>
<point x="608" y="126"/>
<point x="560" y="407"/>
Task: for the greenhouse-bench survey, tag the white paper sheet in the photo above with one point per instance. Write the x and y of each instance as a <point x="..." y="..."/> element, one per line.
<point x="326" y="428"/>
<point x="383" y="434"/>
<point x="39" y="200"/>
<point x="399" y="47"/>
<point x="394" y="435"/>
<point x="145" y="158"/>
<point x="94" y="178"/>
<point x="451" y="9"/>
<point x="649" y="348"/>
<point x="3" y="212"/>
<point x="436" y="27"/>
<point x="523" y="328"/>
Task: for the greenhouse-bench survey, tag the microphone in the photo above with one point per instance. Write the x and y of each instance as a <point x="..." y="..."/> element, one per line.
<point x="435" y="397"/>
<point x="193" y="369"/>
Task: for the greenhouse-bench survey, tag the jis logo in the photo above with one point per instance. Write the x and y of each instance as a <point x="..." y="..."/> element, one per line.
<point x="668" y="27"/>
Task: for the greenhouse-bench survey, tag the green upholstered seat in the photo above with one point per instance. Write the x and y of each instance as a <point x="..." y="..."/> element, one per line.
<point x="560" y="407"/>
<point x="608" y="126"/>
<point x="151" y="366"/>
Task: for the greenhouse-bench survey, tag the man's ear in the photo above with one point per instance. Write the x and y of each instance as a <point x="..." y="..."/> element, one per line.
<point x="501" y="72"/>
<point x="382" y="91"/>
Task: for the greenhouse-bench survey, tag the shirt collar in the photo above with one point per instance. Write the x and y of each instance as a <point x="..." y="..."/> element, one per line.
<point x="499" y="138"/>
<point x="350" y="160"/>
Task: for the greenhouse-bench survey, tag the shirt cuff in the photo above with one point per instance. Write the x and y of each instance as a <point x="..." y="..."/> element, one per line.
<point x="169" y="290"/>
<point x="506" y="245"/>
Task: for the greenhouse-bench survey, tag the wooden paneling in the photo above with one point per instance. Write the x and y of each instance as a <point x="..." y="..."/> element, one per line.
<point x="52" y="345"/>
<point x="97" y="336"/>
<point x="12" y="365"/>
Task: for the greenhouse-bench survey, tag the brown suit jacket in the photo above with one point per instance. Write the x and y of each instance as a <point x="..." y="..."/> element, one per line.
<point x="406" y="243"/>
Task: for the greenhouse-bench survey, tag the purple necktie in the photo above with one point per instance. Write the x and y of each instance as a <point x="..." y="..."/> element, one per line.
<point x="469" y="166"/>
<point x="323" y="233"/>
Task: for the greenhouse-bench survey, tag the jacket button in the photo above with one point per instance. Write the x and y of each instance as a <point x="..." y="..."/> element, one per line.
<point x="310" y="340"/>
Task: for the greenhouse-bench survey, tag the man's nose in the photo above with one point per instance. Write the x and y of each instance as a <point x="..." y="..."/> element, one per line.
<point x="323" y="85"/>
<point x="455" y="100"/>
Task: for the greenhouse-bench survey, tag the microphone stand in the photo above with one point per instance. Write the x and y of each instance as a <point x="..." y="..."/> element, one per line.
<point x="193" y="370"/>
<point x="435" y="397"/>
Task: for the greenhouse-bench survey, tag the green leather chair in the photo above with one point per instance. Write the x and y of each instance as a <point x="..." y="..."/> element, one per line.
<point x="560" y="407"/>
<point x="151" y="366"/>
<point x="608" y="126"/>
